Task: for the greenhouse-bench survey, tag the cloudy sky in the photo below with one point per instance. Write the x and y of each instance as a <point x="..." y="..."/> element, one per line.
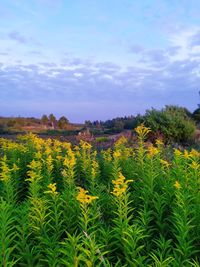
<point x="98" y="59"/>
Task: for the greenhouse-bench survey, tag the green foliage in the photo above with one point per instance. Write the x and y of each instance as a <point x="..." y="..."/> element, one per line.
<point x="172" y="122"/>
<point x="71" y="206"/>
<point x="196" y="115"/>
<point x="101" y="139"/>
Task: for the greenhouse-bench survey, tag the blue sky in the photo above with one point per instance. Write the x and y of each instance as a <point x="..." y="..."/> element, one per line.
<point x="98" y="59"/>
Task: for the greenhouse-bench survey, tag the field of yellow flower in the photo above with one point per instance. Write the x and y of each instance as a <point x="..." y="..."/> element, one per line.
<point x="65" y="205"/>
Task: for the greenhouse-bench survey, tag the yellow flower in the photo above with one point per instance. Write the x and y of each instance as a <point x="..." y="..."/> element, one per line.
<point x="142" y="131"/>
<point x="116" y="154"/>
<point x="48" y="150"/>
<point x="84" y="198"/>
<point x="38" y="155"/>
<point x="95" y="167"/>
<point x="159" y="142"/>
<point x="85" y="145"/>
<point x="66" y="145"/>
<point x="59" y="157"/>
<point x="15" y="167"/>
<point x="120" y="185"/>
<point x="177" y="152"/>
<point x="186" y="154"/>
<point x="152" y="151"/>
<point x="194" y="165"/>
<point x="177" y="185"/>
<point x="165" y="163"/>
<point x="5" y="173"/>
<point x="194" y="153"/>
<point x="49" y="162"/>
<point x="69" y="161"/>
<point x="107" y="155"/>
<point x="52" y="188"/>
<point x="121" y="141"/>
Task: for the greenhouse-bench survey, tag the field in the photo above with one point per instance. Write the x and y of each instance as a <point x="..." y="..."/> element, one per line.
<point x="64" y="205"/>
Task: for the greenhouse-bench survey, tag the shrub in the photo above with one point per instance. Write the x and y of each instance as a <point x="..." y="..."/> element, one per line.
<point x="173" y="122"/>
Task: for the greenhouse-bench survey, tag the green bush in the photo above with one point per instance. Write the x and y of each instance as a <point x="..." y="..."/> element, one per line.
<point x="102" y="139"/>
<point x="173" y="122"/>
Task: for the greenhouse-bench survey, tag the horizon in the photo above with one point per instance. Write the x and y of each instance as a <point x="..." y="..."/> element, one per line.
<point x="98" y="60"/>
<point x="83" y="122"/>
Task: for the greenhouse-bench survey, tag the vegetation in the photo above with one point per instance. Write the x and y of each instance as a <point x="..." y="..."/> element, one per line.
<point x="172" y="122"/>
<point x="71" y="206"/>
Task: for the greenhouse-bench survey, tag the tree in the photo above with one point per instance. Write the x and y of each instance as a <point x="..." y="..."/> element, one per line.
<point x="196" y="115"/>
<point x="52" y="119"/>
<point x="63" y="122"/>
<point x="88" y="123"/>
<point x="44" y="119"/>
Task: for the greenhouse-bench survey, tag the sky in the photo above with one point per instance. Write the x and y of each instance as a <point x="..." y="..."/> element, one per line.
<point x="98" y="59"/>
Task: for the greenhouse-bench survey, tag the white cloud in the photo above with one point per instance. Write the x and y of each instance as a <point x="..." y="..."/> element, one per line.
<point x="183" y="40"/>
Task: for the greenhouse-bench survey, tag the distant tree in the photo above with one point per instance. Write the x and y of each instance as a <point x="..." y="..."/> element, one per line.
<point x="44" y="119"/>
<point x="52" y="119"/>
<point x="196" y="115"/>
<point x="63" y="122"/>
<point x="88" y="123"/>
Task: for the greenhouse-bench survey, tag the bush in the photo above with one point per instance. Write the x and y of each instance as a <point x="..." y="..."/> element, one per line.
<point x="102" y="139"/>
<point x="173" y="122"/>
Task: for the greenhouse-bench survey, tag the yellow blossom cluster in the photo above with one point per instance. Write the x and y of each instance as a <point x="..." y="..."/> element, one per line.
<point x="66" y="145"/>
<point x="194" y="165"/>
<point x="107" y="155"/>
<point x="49" y="163"/>
<point x="186" y="154"/>
<point x="192" y="154"/>
<point x="95" y="167"/>
<point x="69" y="160"/>
<point x="152" y="150"/>
<point x="177" y="185"/>
<point x="8" y="145"/>
<point x="48" y="150"/>
<point x="35" y="171"/>
<point x="159" y="142"/>
<point x="121" y="141"/>
<point x="52" y="188"/>
<point x="165" y="163"/>
<point x="177" y="152"/>
<point x="5" y="173"/>
<point x="15" y="168"/>
<point x="120" y="185"/>
<point x="57" y="147"/>
<point x="142" y="131"/>
<point x="116" y="154"/>
<point x="83" y="197"/>
<point x="85" y="145"/>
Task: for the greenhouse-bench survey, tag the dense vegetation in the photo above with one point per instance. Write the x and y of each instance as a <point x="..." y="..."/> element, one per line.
<point x="173" y="123"/>
<point x="71" y="206"/>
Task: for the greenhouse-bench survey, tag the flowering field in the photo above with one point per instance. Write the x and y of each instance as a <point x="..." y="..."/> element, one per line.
<point x="71" y="206"/>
